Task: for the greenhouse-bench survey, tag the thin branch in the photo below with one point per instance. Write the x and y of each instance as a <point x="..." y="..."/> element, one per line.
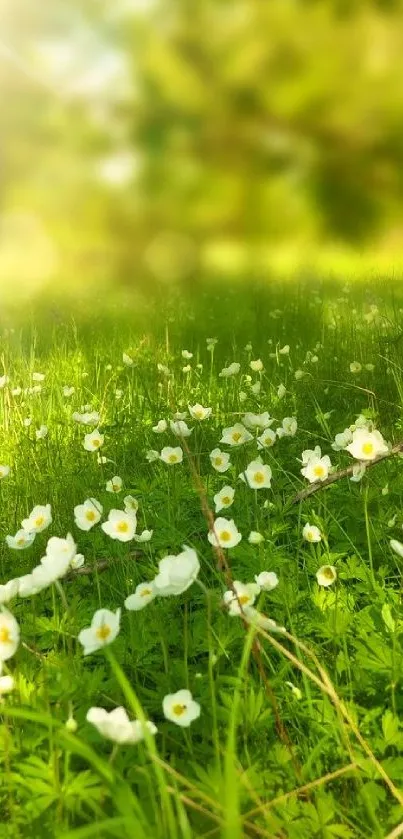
<point x="97" y="567"/>
<point x="344" y="473"/>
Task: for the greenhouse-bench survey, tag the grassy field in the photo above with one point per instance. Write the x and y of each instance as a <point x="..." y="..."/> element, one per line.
<point x="293" y="725"/>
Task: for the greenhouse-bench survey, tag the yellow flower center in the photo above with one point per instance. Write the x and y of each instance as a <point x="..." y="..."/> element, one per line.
<point x="226" y="500"/>
<point x="225" y="536"/>
<point x="5" y="636"/>
<point x="39" y="521"/>
<point x="319" y="471"/>
<point x="122" y="526"/>
<point x="243" y="599"/>
<point x="367" y="448"/>
<point x="96" y="442"/>
<point x="90" y="515"/>
<point x="178" y="709"/>
<point x="328" y="573"/>
<point x="21" y="541"/>
<point x="198" y="414"/>
<point x="172" y="458"/>
<point x="145" y="592"/>
<point x="258" y="477"/>
<point x="103" y="632"/>
<point x="236" y="436"/>
<point x="218" y="461"/>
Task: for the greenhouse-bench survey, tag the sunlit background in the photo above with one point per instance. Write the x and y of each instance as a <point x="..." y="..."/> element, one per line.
<point x="154" y="142"/>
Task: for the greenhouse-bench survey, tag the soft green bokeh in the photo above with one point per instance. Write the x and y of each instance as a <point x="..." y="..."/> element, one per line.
<point x="163" y="140"/>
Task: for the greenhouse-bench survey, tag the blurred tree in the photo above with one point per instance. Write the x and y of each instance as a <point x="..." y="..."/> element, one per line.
<point x="165" y="133"/>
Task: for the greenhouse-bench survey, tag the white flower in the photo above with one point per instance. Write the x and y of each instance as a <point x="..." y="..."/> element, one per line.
<point x="359" y="470"/>
<point x="87" y="417"/>
<point x="172" y="455"/>
<point x="161" y="426"/>
<point x="144" y="594"/>
<point x="311" y="533"/>
<point x="54" y="565"/>
<point x="211" y="342"/>
<point x="256" y="388"/>
<point x="326" y="575"/>
<point x="16" y="391"/>
<point x="225" y="534"/>
<point x="180" y="708"/>
<point x="242" y="596"/>
<point x="27" y="586"/>
<point x="120" y="525"/>
<point x="258" y="475"/>
<point x="177" y="573"/>
<point x="41" y="432"/>
<point x="267" y="580"/>
<point x="68" y="391"/>
<point x="257" y="421"/>
<point x="127" y="359"/>
<point x="39" y="519"/>
<point x="256" y="366"/>
<point x="4" y="471"/>
<point x="289" y="426"/>
<point x="267" y="439"/>
<point x="116" y="726"/>
<point x="187" y="355"/>
<point x="131" y="504"/>
<point x="367" y="445"/>
<point x="220" y="461"/>
<point x="3" y="381"/>
<point x="396" y="546"/>
<point x="197" y="412"/>
<point x="104" y="628"/>
<point x="299" y="374"/>
<point x="7" y="684"/>
<point x="144" y="536"/>
<point x="152" y="456"/>
<point x="309" y="454"/>
<point x="115" y="484"/>
<point x="370" y="367"/>
<point x="342" y="440"/>
<point x="77" y="561"/>
<point x="242" y="396"/>
<point x="27" y="422"/>
<point x="316" y="469"/>
<point x="38" y="377"/>
<point x="255" y="538"/>
<point x="224" y="498"/>
<point x="9" y="590"/>
<point x="235" y="435"/>
<point x="162" y="368"/>
<point x="232" y="370"/>
<point x="9" y="634"/>
<point x="180" y="415"/>
<point x="355" y="367"/>
<point x="285" y="350"/>
<point x="180" y="428"/>
<point x="93" y="442"/>
<point x="281" y="391"/>
<point x="88" y="514"/>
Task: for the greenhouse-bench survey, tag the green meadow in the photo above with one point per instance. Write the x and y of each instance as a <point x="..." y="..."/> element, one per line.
<point x="242" y="605"/>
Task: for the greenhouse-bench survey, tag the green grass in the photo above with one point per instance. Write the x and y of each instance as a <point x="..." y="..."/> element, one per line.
<point x="255" y="764"/>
